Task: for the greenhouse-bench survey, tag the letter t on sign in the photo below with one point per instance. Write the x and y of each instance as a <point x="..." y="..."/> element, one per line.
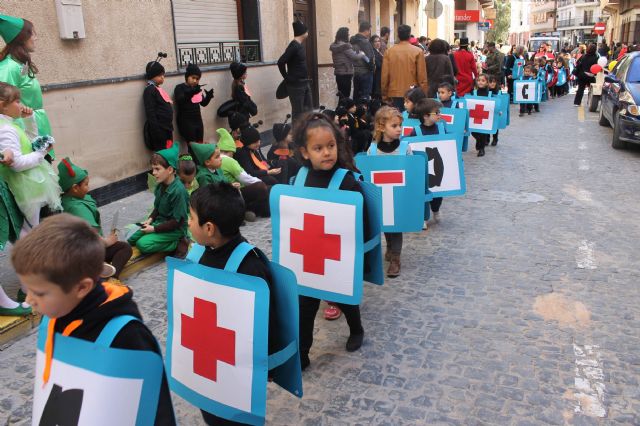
<point x="387" y="180"/>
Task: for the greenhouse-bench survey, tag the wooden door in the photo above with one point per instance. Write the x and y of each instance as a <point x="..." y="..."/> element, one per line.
<point x="304" y="10"/>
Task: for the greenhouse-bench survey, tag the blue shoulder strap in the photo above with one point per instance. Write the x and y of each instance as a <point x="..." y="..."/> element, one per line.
<point x="402" y="149"/>
<point x="373" y="149"/>
<point x="301" y="177"/>
<point x="440" y="125"/>
<point x="475" y="92"/>
<point x="337" y="178"/>
<point x="113" y="327"/>
<point x="238" y="255"/>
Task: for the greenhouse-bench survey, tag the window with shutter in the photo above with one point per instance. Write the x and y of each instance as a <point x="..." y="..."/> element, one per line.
<point x="210" y="32"/>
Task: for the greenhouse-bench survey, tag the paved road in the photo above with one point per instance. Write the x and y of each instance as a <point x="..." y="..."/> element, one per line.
<point x="520" y="307"/>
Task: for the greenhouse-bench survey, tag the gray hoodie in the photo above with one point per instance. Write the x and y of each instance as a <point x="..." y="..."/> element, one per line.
<point x="361" y="44"/>
<point x="343" y="58"/>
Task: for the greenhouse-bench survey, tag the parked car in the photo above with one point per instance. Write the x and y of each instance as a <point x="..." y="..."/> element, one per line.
<point x="620" y="101"/>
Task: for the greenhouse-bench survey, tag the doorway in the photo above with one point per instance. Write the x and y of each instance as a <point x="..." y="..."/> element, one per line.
<point x="305" y="11"/>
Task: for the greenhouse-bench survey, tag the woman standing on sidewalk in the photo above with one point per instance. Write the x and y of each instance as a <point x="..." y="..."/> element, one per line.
<point x="583" y="72"/>
<point x="343" y="57"/>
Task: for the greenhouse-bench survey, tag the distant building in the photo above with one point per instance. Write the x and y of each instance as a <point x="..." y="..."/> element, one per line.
<point x="576" y="19"/>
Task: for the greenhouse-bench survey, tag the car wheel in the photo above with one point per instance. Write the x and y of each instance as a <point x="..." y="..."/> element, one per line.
<point x="616" y="143"/>
<point x="593" y="102"/>
<point x="602" y="120"/>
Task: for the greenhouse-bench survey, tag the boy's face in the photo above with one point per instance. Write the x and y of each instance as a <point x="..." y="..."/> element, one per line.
<point x="444" y="94"/>
<point x="161" y="174"/>
<point x="158" y="80"/>
<point x="493" y="84"/>
<point x="201" y="234"/>
<point x="215" y="161"/>
<point x="431" y="118"/>
<point x="80" y="190"/>
<point x="193" y="80"/>
<point x="49" y="299"/>
<point x="527" y="72"/>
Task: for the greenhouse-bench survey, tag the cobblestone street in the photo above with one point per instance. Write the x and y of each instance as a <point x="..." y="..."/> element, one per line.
<point x="520" y="307"/>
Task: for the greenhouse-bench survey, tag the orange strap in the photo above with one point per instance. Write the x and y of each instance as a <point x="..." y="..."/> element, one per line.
<point x="48" y="346"/>
<point x="259" y="164"/>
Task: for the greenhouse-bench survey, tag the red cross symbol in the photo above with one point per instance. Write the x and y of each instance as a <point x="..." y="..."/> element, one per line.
<point x="314" y="245"/>
<point x="208" y="342"/>
<point x="388" y="178"/>
<point x="479" y="114"/>
<point x="447" y="118"/>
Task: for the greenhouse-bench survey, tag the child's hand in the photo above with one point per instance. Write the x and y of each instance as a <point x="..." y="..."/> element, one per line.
<point x="26" y="111"/>
<point x="274" y="171"/>
<point x="7" y="158"/>
<point x="236" y="185"/>
<point x="147" y="229"/>
<point x="110" y="240"/>
<point x="147" y="222"/>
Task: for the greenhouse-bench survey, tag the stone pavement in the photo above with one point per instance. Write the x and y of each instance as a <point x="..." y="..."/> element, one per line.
<point x="521" y="307"/>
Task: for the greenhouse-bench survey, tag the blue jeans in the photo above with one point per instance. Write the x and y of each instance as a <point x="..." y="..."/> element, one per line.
<point x="362" y="86"/>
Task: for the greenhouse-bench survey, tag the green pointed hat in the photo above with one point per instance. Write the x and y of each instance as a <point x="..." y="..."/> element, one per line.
<point x="10" y="27"/>
<point x="171" y="154"/>
<point x="69" y="174"/>
<point x="225" y="140"/>
<point x="203" y="151"/>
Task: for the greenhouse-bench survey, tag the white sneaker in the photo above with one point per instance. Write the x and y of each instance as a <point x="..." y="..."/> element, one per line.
<point x="424" y="226"/>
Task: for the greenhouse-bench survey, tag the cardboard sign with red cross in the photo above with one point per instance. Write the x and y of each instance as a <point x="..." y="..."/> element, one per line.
<point x="217" y="340"/>
<point x="319" y="235"/>
<point x="483" y="117"/>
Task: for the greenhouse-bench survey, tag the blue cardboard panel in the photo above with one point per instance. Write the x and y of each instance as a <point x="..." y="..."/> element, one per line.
<point x="526" y="92"/>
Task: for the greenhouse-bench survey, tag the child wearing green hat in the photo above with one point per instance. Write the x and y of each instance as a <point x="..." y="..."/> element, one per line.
<point x="254" y="191"/>
<point x="76" y="200"/>
<point x="166" y="228"/>
<point x="209" y="160"/>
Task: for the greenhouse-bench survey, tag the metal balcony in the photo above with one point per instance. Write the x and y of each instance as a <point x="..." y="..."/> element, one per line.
<point x="218" y="52"/>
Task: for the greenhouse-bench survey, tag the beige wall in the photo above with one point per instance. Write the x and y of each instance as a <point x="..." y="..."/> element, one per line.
<point x="100" y="125"/>
<point x="121" y="37"/>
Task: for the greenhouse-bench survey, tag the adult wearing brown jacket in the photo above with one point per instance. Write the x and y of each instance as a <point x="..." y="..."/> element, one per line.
<point x="403" y="66"/>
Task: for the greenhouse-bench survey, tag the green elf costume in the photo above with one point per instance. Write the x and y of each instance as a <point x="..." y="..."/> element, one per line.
<point x="204" y="175"/>
<point x="170" y="213"/>
<point x="19" y="75"/>
<point x="117" y="253"/>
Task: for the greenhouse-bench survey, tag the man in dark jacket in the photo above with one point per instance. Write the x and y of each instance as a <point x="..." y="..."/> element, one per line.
<point x="495" y="60"/>
<point x="293" y="67"/>
<point x="364" y="68"/>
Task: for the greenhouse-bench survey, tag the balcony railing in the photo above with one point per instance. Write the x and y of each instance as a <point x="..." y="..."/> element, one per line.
<point x="566" y="23"/>
<point x="218" y="52"/>
<point x="576" y="23"/>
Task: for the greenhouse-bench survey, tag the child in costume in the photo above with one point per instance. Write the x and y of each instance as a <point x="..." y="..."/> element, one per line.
<point x="166" y="228"/>
<point x="445" y="95"/>
<point x="254" y="191"/>
<point x="323" y="150"/>
<point x="253" y="161"/>
<point x="30" y="178"/>
<point x="482" y="89"/>
<point x="282" y="150"/>
<point x="411" y="98"/>
<point x="158" y="129"/>
<point x="216" y="212"/>
<point x="237" y="122"/>
<point x="239" y="90"/>
<point x="388" y="128"/>
<point x="494" y="88"/>
<point x="528" y="75"/>
<point x="63" y="285"/>
<point x="429" y="112"/>
<point x="189" y="97"/>
<point x="187" y="173"/>
<point x="10" y="224"/>
<point x="76" y="200"/>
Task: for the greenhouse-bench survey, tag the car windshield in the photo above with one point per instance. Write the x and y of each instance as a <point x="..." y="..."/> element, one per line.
<point x="534" y="45"/>
<point x="633" y="75"/>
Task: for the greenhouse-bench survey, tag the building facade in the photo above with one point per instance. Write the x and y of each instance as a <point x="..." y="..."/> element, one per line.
<point x="543" y="17"/>
<point x="520" y="20"/>
<point x="576" y="19"/>
<point x="472" y="20"/>
<point x="623" y="20"/>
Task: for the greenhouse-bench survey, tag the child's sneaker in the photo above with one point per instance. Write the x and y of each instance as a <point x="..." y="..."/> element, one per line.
<point x="332" y="312"/>
<point x="425" y="226"/>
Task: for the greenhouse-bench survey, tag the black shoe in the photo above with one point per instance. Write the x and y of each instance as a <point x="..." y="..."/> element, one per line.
<point x="354" y="342"/>
<point x="481" y="152"/>
<point x="304" y="361"/>
<point x="521" y="114"/>
<point x="529" y="113"/>
<point x="494" y="142"/>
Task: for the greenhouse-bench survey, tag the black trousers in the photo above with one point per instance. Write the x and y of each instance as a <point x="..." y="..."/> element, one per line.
<point x="482" y="140"/>
<point x="256" y="198"/>
<point x="435" y="204"/>
<point x="309" y="308"/>
<point x="344" y="84"/>
<point x="118" y="255"/>
<point x="582" y="84"/>
<point x="300" y="99"/>
<point x="394" y="242"/>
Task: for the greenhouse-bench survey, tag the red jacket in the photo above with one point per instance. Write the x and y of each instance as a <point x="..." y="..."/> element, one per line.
<point x="467" y="71"/>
